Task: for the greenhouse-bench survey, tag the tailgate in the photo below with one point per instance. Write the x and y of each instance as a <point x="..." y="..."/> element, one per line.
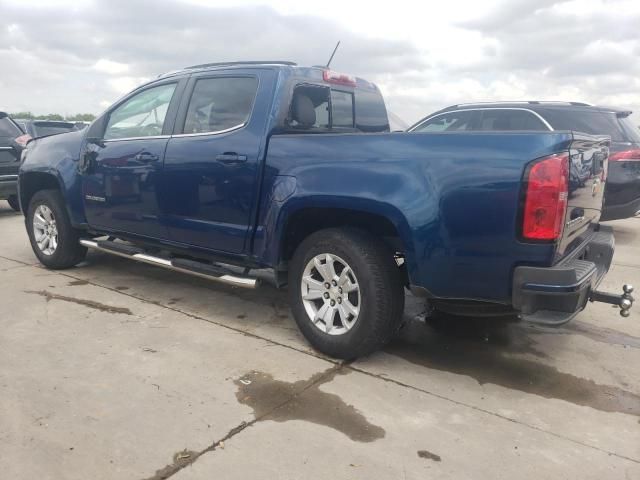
<point x="587" y="176"/>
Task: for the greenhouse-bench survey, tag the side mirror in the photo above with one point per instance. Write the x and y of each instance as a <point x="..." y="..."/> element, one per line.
<point x="88" y="157"/>
<point x="99" y="142"/>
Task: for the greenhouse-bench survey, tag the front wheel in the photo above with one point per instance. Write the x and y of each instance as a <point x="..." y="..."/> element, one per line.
<point x="346" y="292"/>
<point x="53" y="239"/>
<point x="14" y="203"/>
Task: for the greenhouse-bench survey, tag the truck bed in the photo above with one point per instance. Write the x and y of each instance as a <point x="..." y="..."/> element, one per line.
<point x="454" y="198"/>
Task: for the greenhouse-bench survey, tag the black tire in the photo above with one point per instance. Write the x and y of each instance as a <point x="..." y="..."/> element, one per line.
<point x="14" y="203"/>
<point x="381" y="292"/>
<point x="69" y="252"/>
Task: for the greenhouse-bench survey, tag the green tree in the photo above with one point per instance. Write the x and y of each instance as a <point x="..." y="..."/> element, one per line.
<point x="51" y="116"/>
<point x="27" y="115"/>
<point x="82" y="117"/>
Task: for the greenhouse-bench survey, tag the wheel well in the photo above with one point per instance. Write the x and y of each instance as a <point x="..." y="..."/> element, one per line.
<point x="309" y="220"/>
<point x="30" y="183"/>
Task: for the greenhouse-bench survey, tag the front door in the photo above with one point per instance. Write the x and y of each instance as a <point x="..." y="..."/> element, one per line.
<point x="210" y="180"/>
<point x="120" y="183"/>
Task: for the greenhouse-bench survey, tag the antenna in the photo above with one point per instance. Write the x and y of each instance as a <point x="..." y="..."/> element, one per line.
<point x="334" y="52"/>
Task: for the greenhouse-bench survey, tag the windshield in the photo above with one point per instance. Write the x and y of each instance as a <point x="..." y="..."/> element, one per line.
<point x="43" y="129"/>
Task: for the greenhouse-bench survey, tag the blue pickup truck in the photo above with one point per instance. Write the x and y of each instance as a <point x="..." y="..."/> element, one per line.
<point x="221" y="170"/>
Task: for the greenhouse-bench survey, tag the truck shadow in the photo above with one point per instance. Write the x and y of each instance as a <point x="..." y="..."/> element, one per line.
<point x="501" y="353"/>
<point x="6" y="210"/>
<point x="490" y="351"/>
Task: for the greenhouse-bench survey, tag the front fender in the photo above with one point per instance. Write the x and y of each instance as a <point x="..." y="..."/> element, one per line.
<point x="57" y="157"/>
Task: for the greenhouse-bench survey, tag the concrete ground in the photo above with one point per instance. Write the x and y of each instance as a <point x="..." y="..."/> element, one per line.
<point x="120" y="370"/>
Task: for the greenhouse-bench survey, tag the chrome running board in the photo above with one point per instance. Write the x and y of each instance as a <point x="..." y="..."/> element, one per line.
<point x="190" y="267"/>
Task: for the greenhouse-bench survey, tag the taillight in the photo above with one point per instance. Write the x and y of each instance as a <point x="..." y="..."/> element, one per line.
<point x="22" y="140"/>
<point x="632" y="155"/>
<point x="545" y="203"/>
<point x="338" y="78"/>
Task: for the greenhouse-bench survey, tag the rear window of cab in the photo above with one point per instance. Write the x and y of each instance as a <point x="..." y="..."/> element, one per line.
<point x="337" y="109"/>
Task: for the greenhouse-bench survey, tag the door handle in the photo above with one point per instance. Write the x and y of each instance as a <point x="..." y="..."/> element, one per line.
<point x="146" y="157"/>
<point x="229" y="158"/>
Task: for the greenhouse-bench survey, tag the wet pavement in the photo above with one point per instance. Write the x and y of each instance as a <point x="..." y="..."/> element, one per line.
<point x="116" y="369"/>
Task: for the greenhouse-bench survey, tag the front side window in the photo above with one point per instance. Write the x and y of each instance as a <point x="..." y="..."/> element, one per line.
<point x="447" y="122"/>
<point x="142" y="115"/>
<point x="221" y="103"/>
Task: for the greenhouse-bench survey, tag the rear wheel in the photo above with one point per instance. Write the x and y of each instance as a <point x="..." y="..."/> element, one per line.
<point x="14" y="203"/>
<point x="346" y="292"/>
<point x="53" y="239"/>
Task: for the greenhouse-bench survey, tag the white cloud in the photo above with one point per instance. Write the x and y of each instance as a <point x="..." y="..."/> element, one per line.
<point x="123" y="85"/>
<point x="424" y="55"/>
<point x="109" y="66"/>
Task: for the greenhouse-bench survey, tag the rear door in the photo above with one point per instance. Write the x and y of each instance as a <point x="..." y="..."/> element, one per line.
<point x="213" y="160"/>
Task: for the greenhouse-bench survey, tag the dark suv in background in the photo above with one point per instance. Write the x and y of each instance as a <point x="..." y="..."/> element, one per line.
<point x="12" y="142"/>
<point x="622" y="194"/>
<point x="44" y="128"/>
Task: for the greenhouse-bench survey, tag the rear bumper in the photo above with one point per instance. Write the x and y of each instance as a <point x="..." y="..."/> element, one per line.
<point x="556" y="294"/>
<point x="8" y="186"/>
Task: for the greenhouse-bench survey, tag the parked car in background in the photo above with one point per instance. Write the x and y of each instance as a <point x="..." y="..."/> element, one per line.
<point x="223" y="169"/>
<point x="12" y="142"/>
<point x="622" y="194"/>
<point x="44" y="128"/>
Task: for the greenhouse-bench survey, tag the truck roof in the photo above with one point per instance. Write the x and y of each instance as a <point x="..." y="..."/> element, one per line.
<point x="313" y="72"/>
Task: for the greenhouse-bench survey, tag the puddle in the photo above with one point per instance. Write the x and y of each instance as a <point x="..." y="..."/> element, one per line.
<point x="121" y="289"/>
<point x="86" y="303"/>
<point x="78" y="282"/>
<point x="282" y="401"/>
<point x="428" y="455"/>
<point x="468" y="348"/>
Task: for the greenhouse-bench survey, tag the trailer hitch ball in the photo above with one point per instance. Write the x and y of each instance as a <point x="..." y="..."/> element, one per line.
<point x="624" y="301"/>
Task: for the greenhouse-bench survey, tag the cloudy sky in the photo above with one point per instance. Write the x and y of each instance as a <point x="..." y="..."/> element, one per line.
<point x="79" y="56"/>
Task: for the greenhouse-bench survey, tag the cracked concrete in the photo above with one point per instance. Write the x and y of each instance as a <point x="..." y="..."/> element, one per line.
<point x="176" y="377"/>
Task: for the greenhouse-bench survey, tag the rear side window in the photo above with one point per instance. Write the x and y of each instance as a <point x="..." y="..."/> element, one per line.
<point x="631" y="131"/>
<point x="371" y="113"/>
<point x="8" y="128"/>
<point x="309" y="107"/>
<point x="587" y="121"/>
<point x="221" y="103"/>
<point x="509" y="119"/>
<point x="342" y="109"/>
<point x="447" y="122"/>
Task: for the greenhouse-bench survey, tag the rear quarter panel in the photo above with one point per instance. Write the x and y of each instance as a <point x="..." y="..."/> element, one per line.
<point x="453" y="198"/>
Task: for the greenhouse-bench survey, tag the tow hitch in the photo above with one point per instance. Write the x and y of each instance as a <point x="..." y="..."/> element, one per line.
<point x="624" y="301"/>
